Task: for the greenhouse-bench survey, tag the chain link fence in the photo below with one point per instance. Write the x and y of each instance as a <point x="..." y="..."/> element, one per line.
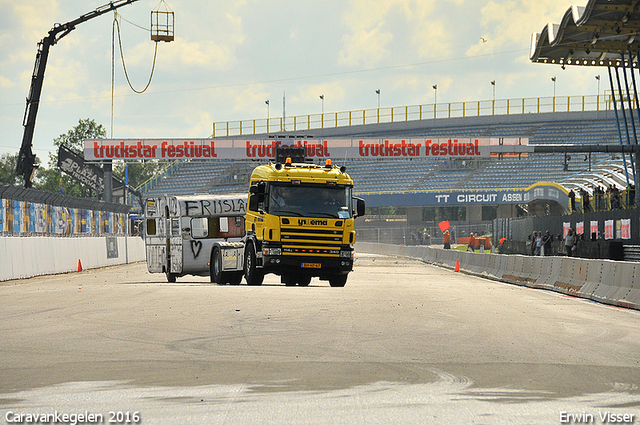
<point x="429" y="234"/>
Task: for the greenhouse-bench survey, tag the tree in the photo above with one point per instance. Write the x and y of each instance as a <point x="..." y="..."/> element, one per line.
<point x="139" y="172"/>
<point x="74" y="139"/>
<point x="52" y="179"/>
<point x="8" y="169"/>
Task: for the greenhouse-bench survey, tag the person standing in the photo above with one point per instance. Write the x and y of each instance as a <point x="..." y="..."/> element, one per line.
<point x="472" y="243"/>
<point x="572" y="201"/>
<point x="569" y="240"/>
<point x="447" y="239"/>
<point x="546" y="243"/>
<point x="538" y="242"/>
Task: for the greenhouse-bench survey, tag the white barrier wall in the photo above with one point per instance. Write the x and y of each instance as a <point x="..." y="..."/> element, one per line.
<point x="22" y="257"/>
<point x="606" y="281"/>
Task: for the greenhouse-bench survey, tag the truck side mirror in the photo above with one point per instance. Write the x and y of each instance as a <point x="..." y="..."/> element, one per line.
<point x="256" y="202"/>
<point x="258" y="188"/>
<point x="359" y="207"/>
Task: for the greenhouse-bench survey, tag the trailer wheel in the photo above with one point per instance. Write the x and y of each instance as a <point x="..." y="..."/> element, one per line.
<point x="338" y="281"/>
<point x="235" y="277"/>
<point x="171" y="277"/>
<point x="252" y="274"/>
<point x="215" y="267"/>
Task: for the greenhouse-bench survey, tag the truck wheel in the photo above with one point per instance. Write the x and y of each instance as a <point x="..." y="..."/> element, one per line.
<point x="338" y="281"/>
<point x="288" y="280"/>
<point x="171" y="277"/>
<point x="304" y="280"/>
<point x="252" y="275"/>
<point x="215" y="267"/>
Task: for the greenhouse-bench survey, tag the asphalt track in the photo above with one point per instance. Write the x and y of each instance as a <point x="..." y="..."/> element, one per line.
<point x="403" y="342"/>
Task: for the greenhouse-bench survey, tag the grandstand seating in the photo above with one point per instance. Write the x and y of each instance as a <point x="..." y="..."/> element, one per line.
<point x="428" y="173"/>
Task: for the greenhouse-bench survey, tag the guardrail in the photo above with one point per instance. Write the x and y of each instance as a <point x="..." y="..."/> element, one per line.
<point x="605" y="281"/>
<point x="416" y="112"/>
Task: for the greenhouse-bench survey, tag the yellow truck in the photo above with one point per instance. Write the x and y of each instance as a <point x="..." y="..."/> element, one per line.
<point x="299" y="224"/>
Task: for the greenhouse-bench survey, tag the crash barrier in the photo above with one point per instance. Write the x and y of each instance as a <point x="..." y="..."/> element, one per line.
<point x="605" y="281"/>
<point x="23" y="257"/>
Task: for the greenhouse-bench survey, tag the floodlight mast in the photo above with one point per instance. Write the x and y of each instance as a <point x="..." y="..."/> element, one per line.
<point x="26" y="159"/>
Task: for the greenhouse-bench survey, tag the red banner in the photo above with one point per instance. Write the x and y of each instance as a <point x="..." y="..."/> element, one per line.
<point x="212" y="149"/>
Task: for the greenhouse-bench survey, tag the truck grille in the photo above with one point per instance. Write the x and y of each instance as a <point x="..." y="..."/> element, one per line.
<point x="302" y="241"/>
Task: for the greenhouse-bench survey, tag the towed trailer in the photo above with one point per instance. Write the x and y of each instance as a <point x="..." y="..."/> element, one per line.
<point x="181" y="231"/>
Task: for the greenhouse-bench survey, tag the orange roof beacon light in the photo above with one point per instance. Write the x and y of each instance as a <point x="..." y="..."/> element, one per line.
<point x="327" y="164"/>
<point x="288" y="161"/>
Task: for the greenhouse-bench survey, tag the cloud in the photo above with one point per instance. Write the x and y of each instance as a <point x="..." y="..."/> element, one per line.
<point x="432" y="40"/>
<point x="35" y="17"/>
<point x="512" y="22"/>
<point x="308" y="97"/>
<point x="5" y="83"/>
<point x="376" y="29"/>
<point x="365" y="47"/>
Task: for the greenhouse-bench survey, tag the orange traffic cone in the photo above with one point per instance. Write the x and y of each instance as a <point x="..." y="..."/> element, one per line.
<point x="79" y="265"/>
<point x="457" y="269"/>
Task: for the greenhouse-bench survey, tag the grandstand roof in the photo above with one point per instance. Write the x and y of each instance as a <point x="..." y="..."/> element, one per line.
<point x="594" y="35"/>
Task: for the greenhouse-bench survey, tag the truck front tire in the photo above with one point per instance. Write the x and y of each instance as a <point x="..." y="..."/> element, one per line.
<point x="252" y="274"/>
<point x="338" y="281"/>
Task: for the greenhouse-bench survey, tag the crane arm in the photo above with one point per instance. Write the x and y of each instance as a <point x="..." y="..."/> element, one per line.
<point x="26" y="159"/>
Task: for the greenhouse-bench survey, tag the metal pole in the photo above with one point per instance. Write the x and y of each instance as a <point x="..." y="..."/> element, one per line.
<point x="108" y="182"/>
<point x="615" y="109"/>
<point x="633" y="123"/>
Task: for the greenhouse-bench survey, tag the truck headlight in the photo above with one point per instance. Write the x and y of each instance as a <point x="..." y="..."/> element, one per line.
<point x="272" y="251"/>
<point x="346" y="254"/>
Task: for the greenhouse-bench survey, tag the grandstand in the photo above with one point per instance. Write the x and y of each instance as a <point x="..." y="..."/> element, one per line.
<point x="428" y="174"/>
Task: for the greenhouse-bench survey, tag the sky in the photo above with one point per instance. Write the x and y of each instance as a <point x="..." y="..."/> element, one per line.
<point x="230" y="56"/>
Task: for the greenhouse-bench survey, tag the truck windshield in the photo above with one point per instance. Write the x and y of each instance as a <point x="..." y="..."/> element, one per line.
<point x="310" y="201"/>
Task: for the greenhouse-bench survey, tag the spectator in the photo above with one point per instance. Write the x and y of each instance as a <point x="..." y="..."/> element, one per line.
<point x="572" y="201"/>
<point x="501" y="245"/>
<point x="538" y="244"/>
<point x="614" y="196"/>
<point x="546" y="243"/>
<point x="472" y="243"/>
<point x="586" y="202"/>
<point x="569" y="241"/>
<point x="447" y="239"/>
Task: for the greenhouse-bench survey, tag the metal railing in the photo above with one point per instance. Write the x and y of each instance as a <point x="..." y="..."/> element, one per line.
<point x="156" y="179"/>
<point x="603" y="102"/>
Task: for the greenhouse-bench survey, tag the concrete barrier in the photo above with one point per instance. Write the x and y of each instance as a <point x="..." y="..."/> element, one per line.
<point x="23" y="257"/>
<point x="606" y="281"/>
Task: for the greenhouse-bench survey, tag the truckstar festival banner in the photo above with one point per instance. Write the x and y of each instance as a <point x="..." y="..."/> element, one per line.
<point x="212" y="149"/>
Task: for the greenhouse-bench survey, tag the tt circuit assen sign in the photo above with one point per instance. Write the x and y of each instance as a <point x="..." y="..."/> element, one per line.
<point x="466" y="197"/>
<point x="213" y="149"/>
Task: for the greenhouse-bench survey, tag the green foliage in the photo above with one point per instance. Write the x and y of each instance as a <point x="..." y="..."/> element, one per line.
<point x="50" y="178"/>
<point x="8" y="169"/>
<point x="139" y="172"/>
<point x="74" y="139"/>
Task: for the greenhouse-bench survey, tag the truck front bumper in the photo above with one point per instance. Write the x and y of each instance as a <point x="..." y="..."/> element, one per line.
<point x="275" y="262"/>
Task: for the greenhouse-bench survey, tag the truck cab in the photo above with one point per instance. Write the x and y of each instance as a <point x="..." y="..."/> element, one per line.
<point x="300" y="223"/>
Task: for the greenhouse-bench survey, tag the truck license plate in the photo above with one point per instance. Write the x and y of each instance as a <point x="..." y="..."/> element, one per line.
<point x="311" y="265"/>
